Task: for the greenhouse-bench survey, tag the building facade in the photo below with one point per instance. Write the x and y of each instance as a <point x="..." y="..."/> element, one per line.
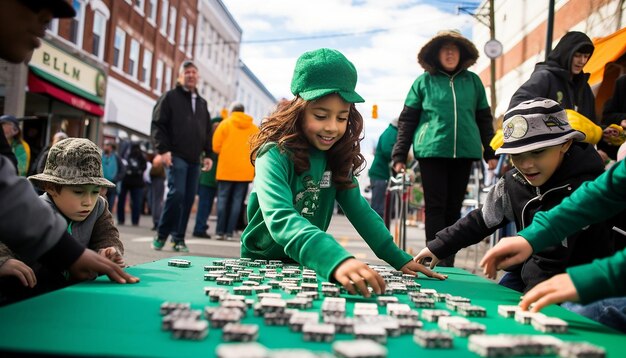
<point x="257" y="100"/>
<point x="521" y="28"/>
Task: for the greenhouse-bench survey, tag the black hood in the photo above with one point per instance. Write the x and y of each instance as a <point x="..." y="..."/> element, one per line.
<point x="572" y="42"/>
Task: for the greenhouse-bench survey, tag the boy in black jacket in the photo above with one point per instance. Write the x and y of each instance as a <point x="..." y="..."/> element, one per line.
<point x="549" y="166"/>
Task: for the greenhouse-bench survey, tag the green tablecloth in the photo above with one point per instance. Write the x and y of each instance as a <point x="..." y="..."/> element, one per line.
<point x="103" y="318"/>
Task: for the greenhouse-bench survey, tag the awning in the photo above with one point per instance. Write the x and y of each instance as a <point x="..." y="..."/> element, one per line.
<point x="37" y="85"/>
<point x="607" y="49"/>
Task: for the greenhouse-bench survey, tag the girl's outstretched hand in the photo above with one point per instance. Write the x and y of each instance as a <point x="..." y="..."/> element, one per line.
<point x="356" y="275"/>
<point x="412" y="268"/>
<point x="557" y="289"/>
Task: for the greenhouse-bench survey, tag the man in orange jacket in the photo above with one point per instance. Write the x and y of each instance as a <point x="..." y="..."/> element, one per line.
<point x="231" y="141"/>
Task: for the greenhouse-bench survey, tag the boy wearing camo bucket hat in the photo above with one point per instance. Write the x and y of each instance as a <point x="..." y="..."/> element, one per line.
<point x="71" y="182"/>
<point x="550" y="162"/>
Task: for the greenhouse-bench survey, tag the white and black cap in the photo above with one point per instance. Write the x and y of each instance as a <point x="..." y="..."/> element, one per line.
<point x="535" y="124"/>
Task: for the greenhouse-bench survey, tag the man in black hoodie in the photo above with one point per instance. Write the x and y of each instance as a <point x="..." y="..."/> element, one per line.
<point x="181" y="130"/>
<point x="561" y="78"/>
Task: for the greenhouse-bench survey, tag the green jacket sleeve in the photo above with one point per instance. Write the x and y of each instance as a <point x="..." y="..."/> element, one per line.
<point x="591" y="203"/>
<point x="302" y="241"/>
<point x="371" y="227"/>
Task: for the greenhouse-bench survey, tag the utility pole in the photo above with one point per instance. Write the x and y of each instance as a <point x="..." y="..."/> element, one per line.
<point x="492" y="65"/>
<point x="550" y="28"/>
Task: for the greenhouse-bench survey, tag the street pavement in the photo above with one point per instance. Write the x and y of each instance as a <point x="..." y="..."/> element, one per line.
<point x="137" y="240"/>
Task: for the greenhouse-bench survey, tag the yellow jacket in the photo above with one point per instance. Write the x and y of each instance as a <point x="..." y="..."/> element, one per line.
<point x="231" y="141"/>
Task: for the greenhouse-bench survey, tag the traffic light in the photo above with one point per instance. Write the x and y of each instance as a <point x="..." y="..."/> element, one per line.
<point x="375" y="111"/>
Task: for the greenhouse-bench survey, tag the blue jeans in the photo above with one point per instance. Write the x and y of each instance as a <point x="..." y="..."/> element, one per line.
<point x="513" y="280"/>
<point x="379" y="191"/>
<point x="230" y="196"/>
<point x="156" y="204"/>
<point x="206" y="196"/>
<point x="110" y="196"/>
<point x="182" y="181"/>
<point x="610" y="311"/>
<point x="136" y="200"/>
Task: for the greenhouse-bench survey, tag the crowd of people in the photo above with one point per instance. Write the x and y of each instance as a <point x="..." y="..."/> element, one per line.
<point x="305" y="157"/>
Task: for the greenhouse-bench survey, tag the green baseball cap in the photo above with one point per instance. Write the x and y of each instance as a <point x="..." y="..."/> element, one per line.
<point x="322" y="72"/>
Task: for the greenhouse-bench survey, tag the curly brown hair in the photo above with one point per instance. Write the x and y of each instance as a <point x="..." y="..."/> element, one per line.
<point x="284" y="127"/>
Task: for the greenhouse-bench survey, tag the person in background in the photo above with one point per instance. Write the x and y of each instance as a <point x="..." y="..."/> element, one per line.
<point x="306" y="157"/>
<point x="614" y="113"/>
<point x="20" y="148"/>
<point x="207" y="189"/>
<point x="447" y="119"/>
<point x="22" y="23"/>
<point x="380" y="171"/>
<point x="114" y="170"/>
<point x="231" y="142"/>
<point x="181" y="130"/>
<point x="157" y="189"/>
<point x="133" y="183"/>
<point x="40" y="162"/>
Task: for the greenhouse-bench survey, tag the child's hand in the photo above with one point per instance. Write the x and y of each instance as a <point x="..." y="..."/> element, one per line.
<point x="412" y="268"/>
<point x="112" y="254"/>
<point x="355" y="275"/>
<point x="557" y="289"/>
<point x="423" y="255"/>
<point x="90" y="264"/>
<point x="17" y="268"/>
<point x="509" y="251"/>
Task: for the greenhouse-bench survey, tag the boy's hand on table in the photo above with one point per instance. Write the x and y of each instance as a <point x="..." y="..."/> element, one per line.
<point x="509" y="251"/>
<point x="423" y="255"/>
<point x="356" y="275"/>
<point x="23" y="272"/>
<point x="90" y="264"/>
<point x="113" y="254"/>
<point x="557" y="289"/>
<point x="412" y="268"/>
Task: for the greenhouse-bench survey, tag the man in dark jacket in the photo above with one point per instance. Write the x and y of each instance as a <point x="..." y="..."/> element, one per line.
<point x="22" y="23"/>
<point x="181" y="130"/>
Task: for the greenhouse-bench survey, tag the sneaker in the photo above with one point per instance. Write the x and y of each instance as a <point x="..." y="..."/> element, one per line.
<point x="202" y="235"/>
<point x="229" y="238"/>
<point x="180" y="247"/>
<point x="158" y="243"/>
<point x="219" y="237"/>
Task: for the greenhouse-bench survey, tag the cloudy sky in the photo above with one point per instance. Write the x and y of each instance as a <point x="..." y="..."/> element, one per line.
<point x="381" y="37"/>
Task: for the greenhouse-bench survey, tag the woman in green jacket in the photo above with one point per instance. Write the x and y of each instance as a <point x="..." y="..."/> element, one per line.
<point x="447" y="119"/>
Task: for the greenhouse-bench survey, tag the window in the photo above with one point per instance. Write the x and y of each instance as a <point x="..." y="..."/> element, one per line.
<point x="118" y="48"/>
<point x="76" y="23"/>
<point x="168" y="79"/>
<point x="99" y="34"/>
<point x="53" y="26"/>
<point x="165" y="5"/>
<point x="139" y="5"/>
<point x="158" y="76"/>
<point x="172" y="26"/>
<point x="146" y="69"/>
<point x="182" y="33"/>
<point x="152" y="11"/>
<point x="133" y="58"/>
<point x="190" y="41"/>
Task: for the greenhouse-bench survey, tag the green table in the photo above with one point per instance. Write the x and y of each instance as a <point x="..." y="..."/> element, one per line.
<point x="103" y="318"/>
